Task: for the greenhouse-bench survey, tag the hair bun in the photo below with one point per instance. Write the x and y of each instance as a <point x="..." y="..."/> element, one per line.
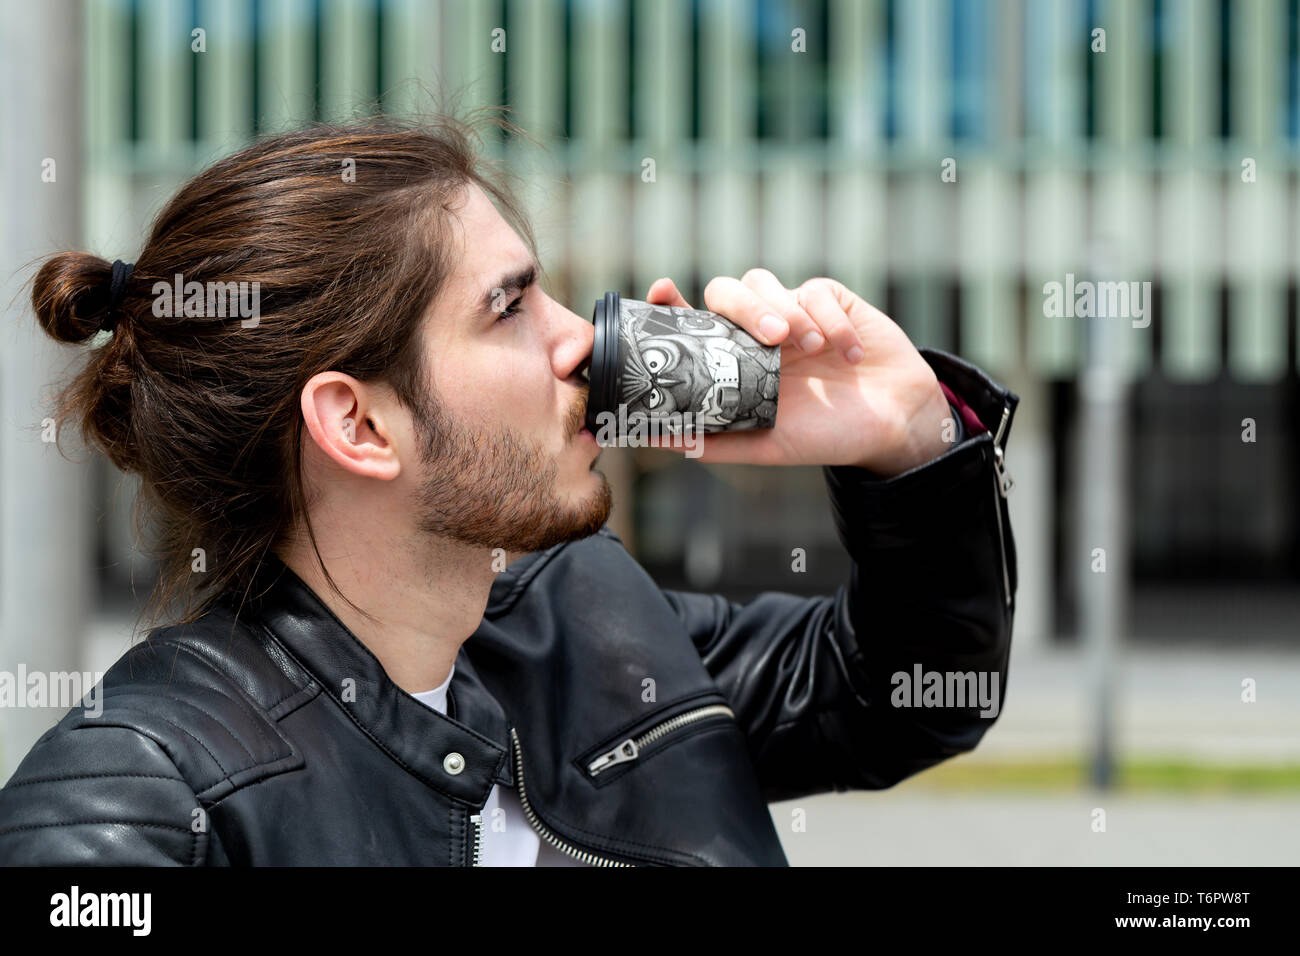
<point x="71" y="295"/>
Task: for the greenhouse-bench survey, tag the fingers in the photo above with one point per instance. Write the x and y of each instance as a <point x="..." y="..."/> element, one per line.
<point x="664" y="292"/>
<point x="745" y="307"/>
<point x="803" y="330"/>
<point x="810" y="316"/>
<point x="820" y="300"/>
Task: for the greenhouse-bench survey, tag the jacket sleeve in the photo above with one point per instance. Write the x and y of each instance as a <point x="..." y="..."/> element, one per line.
<point x="816" y="682"/>
<point x="99" y="795"/>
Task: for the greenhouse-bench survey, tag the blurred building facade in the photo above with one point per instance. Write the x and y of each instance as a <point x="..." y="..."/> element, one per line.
<point x="946" y="159"/>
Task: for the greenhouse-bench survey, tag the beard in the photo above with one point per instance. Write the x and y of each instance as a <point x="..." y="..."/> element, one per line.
<point x="497" y="489"/>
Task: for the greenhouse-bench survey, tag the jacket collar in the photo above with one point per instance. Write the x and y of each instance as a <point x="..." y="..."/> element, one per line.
<point x="511" y="582"/>
<point x="415" y="735"/>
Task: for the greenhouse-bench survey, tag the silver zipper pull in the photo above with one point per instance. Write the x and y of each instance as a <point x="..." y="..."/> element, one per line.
<point x="624" y="752"/>
<point x="1005" y="481"/>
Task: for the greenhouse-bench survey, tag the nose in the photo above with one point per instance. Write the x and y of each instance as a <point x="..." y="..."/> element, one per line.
<point x="575" y="338"/>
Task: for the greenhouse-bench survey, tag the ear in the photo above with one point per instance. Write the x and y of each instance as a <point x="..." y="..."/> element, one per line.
<point x="349" y="426"/>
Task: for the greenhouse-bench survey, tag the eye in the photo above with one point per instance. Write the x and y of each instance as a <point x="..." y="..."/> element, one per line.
<point x="654" y="399"/>
<point x="510" y="311"/>
<point x="655" y="359"/>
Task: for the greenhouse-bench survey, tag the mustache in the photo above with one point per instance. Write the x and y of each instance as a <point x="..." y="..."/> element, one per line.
<point x="577" y="414"/>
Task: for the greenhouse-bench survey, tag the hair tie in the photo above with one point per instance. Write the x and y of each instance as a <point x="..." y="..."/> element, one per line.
<point x="116" y="291"/>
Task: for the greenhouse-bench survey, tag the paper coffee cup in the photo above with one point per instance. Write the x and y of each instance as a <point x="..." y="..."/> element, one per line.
<point x="682" y="371"/>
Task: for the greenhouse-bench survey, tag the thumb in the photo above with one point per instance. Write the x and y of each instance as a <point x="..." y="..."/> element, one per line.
<point x="664" y="292"/>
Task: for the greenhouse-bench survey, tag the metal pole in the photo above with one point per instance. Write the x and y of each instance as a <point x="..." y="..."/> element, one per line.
<point x="1103" y="537"/>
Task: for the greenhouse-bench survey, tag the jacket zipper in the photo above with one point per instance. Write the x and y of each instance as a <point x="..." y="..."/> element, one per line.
<point x="477" y="820"/>
<point x="627" y="750"/>
<point x="1002" y="483"/>
<point x="630" y="749"/>
<point x="565" y="847"/>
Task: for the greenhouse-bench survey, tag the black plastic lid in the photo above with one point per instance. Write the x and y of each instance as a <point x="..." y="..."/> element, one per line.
<point x="603" y="372"/>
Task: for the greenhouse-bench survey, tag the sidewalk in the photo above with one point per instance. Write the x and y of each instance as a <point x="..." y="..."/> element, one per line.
<point x="1168" y="703"/>
<point x="909" y="828"/>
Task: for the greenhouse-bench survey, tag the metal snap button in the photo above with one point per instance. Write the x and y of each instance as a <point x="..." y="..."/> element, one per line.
<point x="453" y="763"/>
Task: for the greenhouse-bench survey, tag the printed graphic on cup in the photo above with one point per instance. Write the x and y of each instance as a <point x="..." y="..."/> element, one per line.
<point x="677" y="368"/>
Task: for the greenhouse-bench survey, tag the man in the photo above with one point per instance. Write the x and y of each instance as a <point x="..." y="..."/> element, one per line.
<point x="445" y="657"/>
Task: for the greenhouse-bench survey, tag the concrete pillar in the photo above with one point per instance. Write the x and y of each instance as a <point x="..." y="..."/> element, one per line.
<point x="45" y="523"/>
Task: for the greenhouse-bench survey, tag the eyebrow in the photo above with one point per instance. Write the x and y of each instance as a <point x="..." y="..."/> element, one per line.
<point x="516" y="281"/>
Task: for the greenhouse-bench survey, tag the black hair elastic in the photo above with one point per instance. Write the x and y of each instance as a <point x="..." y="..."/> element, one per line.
<point x="116" y="291"/>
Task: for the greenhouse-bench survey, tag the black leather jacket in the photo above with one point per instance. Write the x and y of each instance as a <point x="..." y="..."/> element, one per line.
<point x="279" y="739"/>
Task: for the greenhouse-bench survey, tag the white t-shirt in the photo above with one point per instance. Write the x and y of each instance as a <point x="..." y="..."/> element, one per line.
<point x="508" y="837"/>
